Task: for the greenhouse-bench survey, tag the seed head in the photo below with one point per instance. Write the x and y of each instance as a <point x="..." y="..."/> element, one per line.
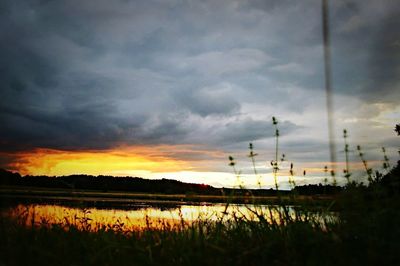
<point x="231" y="161"/>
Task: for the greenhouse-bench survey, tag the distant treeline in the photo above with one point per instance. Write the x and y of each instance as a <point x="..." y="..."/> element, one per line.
<point x="137" y="184"/>
<point x="317" y="189"/>
<point x="105" y="183"/>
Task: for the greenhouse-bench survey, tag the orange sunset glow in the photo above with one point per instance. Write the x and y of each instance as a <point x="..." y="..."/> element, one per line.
<point x="109" y="162"/>
<point x="187" y="163"/>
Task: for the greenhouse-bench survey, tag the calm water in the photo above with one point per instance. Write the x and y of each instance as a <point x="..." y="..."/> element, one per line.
<point x="135" y="218"/>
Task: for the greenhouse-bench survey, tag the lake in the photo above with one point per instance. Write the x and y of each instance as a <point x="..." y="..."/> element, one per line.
<point x="135" y="217"/>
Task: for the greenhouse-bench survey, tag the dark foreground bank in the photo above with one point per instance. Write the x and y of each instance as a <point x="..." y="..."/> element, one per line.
<point x="366" y="233"/>
<point x="372" y="240"/>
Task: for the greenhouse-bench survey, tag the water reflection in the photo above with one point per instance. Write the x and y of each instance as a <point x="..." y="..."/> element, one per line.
<point x="139" y="218"/>
<point x="134" y="219"/>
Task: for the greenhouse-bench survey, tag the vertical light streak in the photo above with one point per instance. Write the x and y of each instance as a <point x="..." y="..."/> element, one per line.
<point x="328" y="82"/>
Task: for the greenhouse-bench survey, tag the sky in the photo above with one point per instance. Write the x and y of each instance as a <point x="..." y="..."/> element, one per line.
<point x="171" y="88"/>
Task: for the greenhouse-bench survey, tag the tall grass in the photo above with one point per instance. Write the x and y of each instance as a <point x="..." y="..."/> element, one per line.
<point x="366" y="234"/>
<point x="363" y="231"/>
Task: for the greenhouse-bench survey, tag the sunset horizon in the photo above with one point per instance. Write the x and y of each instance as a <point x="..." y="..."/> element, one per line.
<point x="199" y="132"/>
<point x="171" y="90"/>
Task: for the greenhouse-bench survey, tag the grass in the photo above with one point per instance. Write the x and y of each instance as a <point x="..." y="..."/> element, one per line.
<point x="366" y="232"/>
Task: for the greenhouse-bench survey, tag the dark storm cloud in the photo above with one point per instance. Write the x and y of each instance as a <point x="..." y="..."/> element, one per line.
<point x="365" y="52"/>
<point x="49" y="98"/>
<point x="93" y="74"/>
<point x="89" y="127"/>
<point x="384" y="61"/>
<point x="55" y="95"/>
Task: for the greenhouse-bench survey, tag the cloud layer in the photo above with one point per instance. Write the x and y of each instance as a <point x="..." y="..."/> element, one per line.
<point x="97" y="74"/>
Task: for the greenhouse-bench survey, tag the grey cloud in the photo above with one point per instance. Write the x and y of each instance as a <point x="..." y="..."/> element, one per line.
<point x="168" y="128"/>
<point x="264" y="5"/>
<point x="226" y="62"/>
<point x="82" y="128"/>
<point x="292" y="68"/>
<point x="365" y="61"/>
<point x="248" y="130"/>
<point x="85" y="74"/>
<point x="218" y="99"/>
<point x="305" y="150"/>
<point x="384" y="61"/>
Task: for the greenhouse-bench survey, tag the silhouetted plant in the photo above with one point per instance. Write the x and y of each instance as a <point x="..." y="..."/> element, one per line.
<point x="346" y="171"/>
<point x="232" y="163"/>
<point x="367" y="169"/>
<point x="386" y="162"/>
<point x="397" y="129"/>
<point x="292" y="182"/>
<point x="333" y="175"/>
<point x="274" y="163"/>
<point x="251" y="156"/>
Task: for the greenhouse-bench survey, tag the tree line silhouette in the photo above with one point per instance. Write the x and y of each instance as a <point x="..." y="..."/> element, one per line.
<point x="136" y="184"/>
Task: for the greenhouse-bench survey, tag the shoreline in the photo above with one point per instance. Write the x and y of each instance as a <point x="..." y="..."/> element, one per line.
<point x="125" y="200"/>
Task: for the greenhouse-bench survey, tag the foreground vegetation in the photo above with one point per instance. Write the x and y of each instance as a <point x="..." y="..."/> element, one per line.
<point x="366" y="233"/>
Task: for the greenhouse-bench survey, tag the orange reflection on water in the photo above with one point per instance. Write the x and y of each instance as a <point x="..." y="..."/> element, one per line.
<point x="127" y="220"/>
